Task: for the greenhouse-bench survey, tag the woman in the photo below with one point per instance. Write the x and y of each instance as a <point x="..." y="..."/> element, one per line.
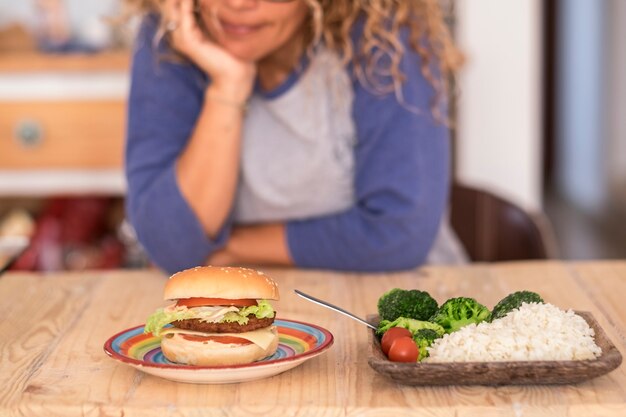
<point x="292" y="132"/>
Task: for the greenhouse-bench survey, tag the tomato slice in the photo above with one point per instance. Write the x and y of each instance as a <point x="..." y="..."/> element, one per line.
<point x="218" y="339"/>
<point x="200" y="301"/>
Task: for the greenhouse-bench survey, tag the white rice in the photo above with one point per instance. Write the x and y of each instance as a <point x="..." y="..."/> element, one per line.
<point x="532" y="332"/>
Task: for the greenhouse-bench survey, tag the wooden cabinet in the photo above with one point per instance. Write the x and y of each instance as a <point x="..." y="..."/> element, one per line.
<point x="62" y="126"/>
<point x="62" y="135"/>
<point x="31" y="61"/>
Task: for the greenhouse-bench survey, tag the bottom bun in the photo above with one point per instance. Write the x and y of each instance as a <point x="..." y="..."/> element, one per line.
<point x="180" y="350"/>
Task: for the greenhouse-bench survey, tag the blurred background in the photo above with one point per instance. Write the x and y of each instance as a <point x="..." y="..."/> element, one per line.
<point x="538" y="121"/>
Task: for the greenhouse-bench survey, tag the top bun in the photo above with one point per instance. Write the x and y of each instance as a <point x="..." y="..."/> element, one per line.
<point x="220" y="282"/>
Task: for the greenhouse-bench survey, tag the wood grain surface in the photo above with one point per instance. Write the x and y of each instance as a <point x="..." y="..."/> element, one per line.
<point x="54" y="325"/>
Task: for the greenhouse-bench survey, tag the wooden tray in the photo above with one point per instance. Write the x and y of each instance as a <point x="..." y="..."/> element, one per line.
<point x="498" y="373"/>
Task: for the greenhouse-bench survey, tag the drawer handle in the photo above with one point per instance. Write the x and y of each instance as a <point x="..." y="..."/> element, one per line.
<point x="29" y="133"/>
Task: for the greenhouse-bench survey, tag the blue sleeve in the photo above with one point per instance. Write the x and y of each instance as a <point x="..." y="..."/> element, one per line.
<point x="401" y="186"/>
<point x="164" y="103"/>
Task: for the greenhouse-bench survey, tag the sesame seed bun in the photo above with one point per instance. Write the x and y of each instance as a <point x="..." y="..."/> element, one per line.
<point x="220" y="282"/>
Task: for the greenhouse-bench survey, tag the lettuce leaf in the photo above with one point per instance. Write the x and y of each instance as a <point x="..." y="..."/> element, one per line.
<point x="261" y="311"/>
<point x="161" y="317"/>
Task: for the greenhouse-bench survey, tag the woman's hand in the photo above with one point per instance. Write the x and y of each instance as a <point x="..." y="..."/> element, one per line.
<point x="231" y="77"/>
<point x="263" y="244"/>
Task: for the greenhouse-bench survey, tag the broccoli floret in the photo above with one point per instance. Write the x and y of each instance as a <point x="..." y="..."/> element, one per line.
<point x="513" y="301"/>
<point x="427" y="334"/>
<point x="413" y="304"/>
<point x="411" y="325"/>
<point x="424" y="338"/>
<point x="458" y="312"/>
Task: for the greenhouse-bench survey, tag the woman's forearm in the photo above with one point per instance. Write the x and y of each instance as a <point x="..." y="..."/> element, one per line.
<point x="207" y="169"/>
<point x="260" y="244"/>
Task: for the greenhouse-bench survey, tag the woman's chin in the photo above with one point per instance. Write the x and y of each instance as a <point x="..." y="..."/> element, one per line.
<point x="245" y="53"/>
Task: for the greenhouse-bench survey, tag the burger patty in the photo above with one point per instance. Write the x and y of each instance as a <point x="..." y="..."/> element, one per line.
<point x="202" y="326"/>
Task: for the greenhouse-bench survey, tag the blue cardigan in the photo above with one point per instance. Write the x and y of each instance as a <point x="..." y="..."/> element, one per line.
<point x="401" y="173"/>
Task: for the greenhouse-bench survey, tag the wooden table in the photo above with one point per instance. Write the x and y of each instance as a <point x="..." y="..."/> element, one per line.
<point x="53" y="327"/>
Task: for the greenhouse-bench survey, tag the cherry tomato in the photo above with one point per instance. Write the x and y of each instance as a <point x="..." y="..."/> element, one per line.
<point x="392" y="334"/>
<point x="199" y="301"/>
<point x="403" y="349"/>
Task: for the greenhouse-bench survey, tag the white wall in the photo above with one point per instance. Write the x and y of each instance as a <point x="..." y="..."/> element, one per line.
<point x="499" y="123"/>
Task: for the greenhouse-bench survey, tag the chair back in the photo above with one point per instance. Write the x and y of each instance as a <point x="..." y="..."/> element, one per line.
<point x="494" y="229"/>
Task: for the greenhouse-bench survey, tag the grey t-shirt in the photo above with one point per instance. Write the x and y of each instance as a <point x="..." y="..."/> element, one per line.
<point x="298" y="157"/>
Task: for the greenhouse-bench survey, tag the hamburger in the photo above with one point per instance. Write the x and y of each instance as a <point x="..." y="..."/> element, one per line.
<point x="220" y="316"/>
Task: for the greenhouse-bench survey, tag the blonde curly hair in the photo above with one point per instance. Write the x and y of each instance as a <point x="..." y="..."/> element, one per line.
<point x="378" y="55"/>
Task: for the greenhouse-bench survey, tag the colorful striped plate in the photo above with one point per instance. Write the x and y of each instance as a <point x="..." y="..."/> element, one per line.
<point x="298" y="342"/>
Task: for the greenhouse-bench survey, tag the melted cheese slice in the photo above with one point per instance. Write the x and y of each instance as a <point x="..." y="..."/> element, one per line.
<point x="260" y="337"/>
